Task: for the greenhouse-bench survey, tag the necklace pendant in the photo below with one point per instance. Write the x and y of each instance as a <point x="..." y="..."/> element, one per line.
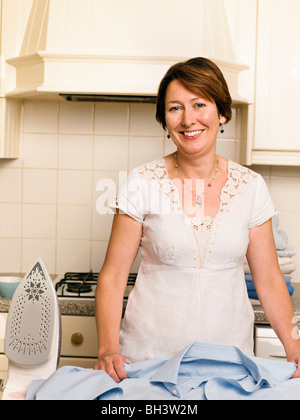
<point x="199" y="200"/>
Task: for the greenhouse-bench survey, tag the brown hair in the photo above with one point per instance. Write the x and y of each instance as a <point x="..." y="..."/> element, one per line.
<point x="201" y="76"/>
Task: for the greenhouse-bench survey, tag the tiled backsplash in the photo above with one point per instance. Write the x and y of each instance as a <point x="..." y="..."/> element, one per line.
<point x="48" y="196"/>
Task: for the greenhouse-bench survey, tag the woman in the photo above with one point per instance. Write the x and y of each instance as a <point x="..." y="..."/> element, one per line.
<point x="195" y="215"/>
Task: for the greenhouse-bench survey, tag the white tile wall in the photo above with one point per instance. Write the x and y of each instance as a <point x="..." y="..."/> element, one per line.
<point x="48" y="196"/>
<point x="10" y="184"/>
<point x="10" y="220"/>
<point x="111" y="152"/>
<point x="75" y="151"/>
<point x="111" y="119"/>
<point x="40" y="117"/>
<point x="39" y="186"/>
<point x="45" y="146"/>
<point x="39" y="221"/>
<point x="76" y="118"/>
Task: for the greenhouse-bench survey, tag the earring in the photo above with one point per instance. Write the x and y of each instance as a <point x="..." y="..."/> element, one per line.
<point x="221" y="129"/>
<point x="168" y="136"/>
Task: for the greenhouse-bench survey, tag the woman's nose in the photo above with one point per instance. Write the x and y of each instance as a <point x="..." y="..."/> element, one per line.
<point x="188" y="118"/>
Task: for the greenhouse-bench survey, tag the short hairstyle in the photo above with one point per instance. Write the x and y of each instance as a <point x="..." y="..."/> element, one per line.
<point x="200" y="76"/>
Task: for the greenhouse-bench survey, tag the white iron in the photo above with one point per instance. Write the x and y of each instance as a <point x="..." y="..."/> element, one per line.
<point x="33" y="332"/>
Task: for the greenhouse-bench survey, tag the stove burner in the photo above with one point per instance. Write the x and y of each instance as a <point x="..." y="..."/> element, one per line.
<point x="83" y="285"/>
<point x="79" y="288"/>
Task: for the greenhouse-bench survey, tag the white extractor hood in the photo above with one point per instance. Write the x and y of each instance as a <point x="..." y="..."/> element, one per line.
<point x="118" y="47"/>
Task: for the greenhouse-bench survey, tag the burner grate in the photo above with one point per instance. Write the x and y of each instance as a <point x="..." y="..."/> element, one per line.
<point x="82" y="285"/>
<point x="79" y="288"/>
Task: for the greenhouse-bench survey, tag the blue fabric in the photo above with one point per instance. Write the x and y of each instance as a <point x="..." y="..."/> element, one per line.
<point x="200" y="372"/>
<point x="249" y="279"/>
<point x="253" y="295"/>
<point x="251" y="288"/>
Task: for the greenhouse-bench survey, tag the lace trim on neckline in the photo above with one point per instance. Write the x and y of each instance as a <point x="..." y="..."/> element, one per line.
<point x="238" y="177"/>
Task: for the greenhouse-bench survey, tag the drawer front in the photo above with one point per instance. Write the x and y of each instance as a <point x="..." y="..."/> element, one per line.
<point x="83" y="362"/>
<point x="79" y="336"/>
<point x="3" y="371"/>
<point x="270" y="348"/>
<point x="3" y="363"/>
<point x="268" y="345"/>
<point x="3" y="320"/>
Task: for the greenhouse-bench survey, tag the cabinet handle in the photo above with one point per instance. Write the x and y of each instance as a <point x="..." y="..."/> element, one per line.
<point x="77" y="338"/>
<point x="278" y="356"/>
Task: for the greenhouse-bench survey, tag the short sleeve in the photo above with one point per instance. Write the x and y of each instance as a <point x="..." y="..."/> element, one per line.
<point x="263" y="208"/>
<point x="129" y="199"/>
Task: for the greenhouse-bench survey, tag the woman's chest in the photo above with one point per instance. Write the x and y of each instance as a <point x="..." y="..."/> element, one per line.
<point x="178" y="240"/>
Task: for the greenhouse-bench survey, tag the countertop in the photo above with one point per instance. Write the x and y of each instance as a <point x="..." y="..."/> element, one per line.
<point x="67" y="307"/>
<point x="87" y="308"/>
<point x="260" y="317"/>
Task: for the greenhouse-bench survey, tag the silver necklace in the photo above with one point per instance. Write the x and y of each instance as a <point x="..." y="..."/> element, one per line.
<point x="209" y="185"/>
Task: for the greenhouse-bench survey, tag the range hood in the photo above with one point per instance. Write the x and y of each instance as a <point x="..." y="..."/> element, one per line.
<point x="75" y="97"/>
<point x="117" y="50"/>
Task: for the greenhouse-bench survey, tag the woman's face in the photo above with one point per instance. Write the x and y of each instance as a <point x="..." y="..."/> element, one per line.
<point x="193" y="122"/>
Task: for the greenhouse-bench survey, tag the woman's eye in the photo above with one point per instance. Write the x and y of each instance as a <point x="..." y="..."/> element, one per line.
<point x="174" y="108"/>
<point x="199" y="105"/>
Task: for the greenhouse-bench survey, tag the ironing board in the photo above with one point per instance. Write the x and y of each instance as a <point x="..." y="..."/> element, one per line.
<point x="33" y="332"/>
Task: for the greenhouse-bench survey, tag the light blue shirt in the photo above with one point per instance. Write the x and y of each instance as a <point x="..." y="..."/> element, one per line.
<point x="199" y="372"/>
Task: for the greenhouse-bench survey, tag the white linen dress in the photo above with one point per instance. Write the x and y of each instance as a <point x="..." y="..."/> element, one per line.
<point x="190" y="285"/>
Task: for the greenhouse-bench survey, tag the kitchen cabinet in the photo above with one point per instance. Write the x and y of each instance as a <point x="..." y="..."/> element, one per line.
<point x="49" y="47"/>
<point x="276" y="132"/>
<point x="79" y="343"/>
<point x="10" y="109"/>
<point x="267" y="344"/>
<point x="122" y="51"/>
<point x="3" y="358"/>
<point x="10" y="115"/>
<point x="3" y="370"/>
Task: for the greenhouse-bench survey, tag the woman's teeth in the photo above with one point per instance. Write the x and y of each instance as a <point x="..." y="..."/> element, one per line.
<point x="192" y="133"/>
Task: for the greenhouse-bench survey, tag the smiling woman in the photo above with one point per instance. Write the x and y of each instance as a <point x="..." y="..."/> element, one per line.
<point x="189" y="117"/>
<point x="202" y="77"/>
<point x="191" y="283"/>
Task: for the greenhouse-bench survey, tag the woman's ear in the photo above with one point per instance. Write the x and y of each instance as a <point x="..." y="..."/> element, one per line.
<point x="222" y="119"/>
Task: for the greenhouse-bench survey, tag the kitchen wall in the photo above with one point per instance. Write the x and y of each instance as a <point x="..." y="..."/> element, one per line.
<point x="48" y="196"/>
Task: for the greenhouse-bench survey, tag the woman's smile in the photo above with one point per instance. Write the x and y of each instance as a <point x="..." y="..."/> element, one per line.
<point x="191" y="135"/>
<point x="192" y="121"/>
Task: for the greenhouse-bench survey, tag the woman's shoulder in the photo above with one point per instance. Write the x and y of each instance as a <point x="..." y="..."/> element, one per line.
<point x="155" y="169"/>
<point x="238" y="171"/>
<point x="242" y="179"/>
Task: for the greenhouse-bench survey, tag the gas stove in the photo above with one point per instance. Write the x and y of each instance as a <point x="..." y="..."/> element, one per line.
<point x="73" y="285"/>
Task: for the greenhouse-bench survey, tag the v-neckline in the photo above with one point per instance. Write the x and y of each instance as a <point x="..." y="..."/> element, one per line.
<point x="177" y="197"/>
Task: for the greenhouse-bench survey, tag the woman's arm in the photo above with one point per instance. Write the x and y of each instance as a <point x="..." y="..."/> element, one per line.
<point x="121" y="252"/>
<point x="271" y="289"/>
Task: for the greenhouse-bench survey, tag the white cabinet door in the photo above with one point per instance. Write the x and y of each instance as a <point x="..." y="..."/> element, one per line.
<point x="276" y="136"/>
<point x="79" y="337"/>
<point x="268" y="345"/>
<point x="3" y="320"/>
